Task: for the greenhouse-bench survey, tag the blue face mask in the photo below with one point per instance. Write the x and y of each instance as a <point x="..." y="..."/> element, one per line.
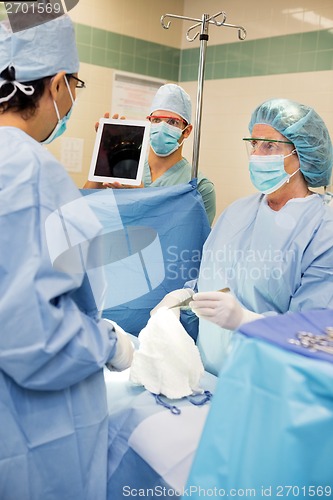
<point x="164" y="138"/>
<point x="62" y="122"/>
<point x="267" y="172"/>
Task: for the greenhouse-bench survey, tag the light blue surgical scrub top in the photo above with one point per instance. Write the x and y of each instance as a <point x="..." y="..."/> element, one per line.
<point x="53" y="347"/>
<point x="273" y="262"/>
<point x="180" y="173"/>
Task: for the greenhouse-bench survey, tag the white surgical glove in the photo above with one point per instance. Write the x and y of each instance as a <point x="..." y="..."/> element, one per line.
<point x="123" y="356"/>
<point x="172" y="299"/>
<point x="222" y="309"/>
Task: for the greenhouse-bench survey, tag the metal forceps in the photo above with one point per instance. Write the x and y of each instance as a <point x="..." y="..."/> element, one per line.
<point x="185" y="303"/>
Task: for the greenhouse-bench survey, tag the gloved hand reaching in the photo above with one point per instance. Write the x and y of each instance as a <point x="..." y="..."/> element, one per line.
<point x="222" y="309"/>
<point x="172" y="299"/>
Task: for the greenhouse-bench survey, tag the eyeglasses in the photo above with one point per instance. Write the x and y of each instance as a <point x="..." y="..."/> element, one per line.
<point x="80" y="83"/>
<point x="265" y="146"/>
<point x="170" y="120"/>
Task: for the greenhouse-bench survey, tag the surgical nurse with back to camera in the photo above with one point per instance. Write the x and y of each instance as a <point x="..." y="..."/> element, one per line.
<point x="274" y="249"/>
<point x="53" y="342"/>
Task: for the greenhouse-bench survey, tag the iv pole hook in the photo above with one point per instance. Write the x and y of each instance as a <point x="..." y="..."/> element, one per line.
<point x="210" y="20"/>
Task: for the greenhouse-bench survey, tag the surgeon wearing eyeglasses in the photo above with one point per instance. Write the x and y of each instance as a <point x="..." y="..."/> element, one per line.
<point x="53" y="342"/>
<point x="170" y="118"/>
<point x="273" y="249"/>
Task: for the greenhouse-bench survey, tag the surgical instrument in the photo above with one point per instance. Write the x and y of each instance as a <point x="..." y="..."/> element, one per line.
<point x="185" y="303"/>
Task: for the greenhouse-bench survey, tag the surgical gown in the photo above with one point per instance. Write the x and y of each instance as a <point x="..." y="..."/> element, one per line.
<point x="272" y="261"/>
<point x="180" y="173"/>
<point x="53" y="346"/>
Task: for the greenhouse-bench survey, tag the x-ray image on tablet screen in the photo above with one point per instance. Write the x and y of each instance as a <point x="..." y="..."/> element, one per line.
<point x="120" y="151"/>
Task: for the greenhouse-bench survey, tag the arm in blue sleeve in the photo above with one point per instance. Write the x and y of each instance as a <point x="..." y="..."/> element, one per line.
<point x="47" y="341"/>
<point x="316" y="287"/>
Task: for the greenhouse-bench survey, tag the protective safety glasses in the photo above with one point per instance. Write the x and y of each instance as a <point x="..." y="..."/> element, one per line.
<point x="266" y="147"/>
<point x="170" y="120"/>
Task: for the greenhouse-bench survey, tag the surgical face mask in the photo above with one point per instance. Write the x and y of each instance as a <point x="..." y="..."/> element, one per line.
<point x="267" y="172"/>
<point x="62" y="122"/>
<point x="164" y="138"/>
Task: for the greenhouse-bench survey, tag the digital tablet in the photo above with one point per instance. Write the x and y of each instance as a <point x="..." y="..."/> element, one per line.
<point x="120" y="151"/>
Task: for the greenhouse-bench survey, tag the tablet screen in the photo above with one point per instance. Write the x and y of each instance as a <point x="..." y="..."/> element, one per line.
<point x="120" y="151"/>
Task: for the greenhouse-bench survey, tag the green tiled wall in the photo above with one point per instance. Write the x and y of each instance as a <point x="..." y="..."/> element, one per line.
<point x="309" y="51"/>
<point x="126" y="53"/>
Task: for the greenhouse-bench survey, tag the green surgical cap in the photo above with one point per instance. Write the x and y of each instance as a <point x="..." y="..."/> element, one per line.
<point x="172" y="97"/>
<point x="40" y="51"/>
<point x="301" y="125"/>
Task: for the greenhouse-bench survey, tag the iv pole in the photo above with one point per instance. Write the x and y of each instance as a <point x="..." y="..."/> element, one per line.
<point x="204" y="22"/>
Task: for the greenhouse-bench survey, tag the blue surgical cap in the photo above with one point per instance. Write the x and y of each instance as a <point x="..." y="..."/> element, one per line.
<point x="172" y="97"/>
<point x="41" y="51"/>
<point x="301" y="125"/>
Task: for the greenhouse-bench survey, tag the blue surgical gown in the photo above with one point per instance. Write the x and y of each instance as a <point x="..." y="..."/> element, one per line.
<point x="272" y="261"/>
<point x="53" y="347"/>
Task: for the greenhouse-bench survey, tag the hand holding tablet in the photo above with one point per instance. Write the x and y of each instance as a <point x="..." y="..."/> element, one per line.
<point x="119" y="152"/>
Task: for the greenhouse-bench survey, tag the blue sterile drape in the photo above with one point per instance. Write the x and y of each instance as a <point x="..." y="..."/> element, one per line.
<point x="153" y="242"/>
<point x="269" y="427"/>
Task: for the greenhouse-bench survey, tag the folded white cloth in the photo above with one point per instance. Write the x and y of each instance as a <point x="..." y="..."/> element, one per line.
<point x="167" y="361"/>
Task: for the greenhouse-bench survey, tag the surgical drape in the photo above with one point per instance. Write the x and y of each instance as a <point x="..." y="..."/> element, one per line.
<point x="269" y="428"/>
<point x="160" y="232"/>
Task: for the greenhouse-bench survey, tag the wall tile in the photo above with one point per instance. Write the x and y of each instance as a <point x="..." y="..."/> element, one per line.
<point x="221" y="52"/>
<point x="98" y="56"/>
<point x="307" y="61"/>
<point x="112" y="59"/>
<point x="83" y="34"/>
<point x="220" y="70"/>
<point x="325" y="39"/>
<point x="99" y="38"/>
<point x="140" y="65"/>
<point x="84" y="52"/>
<point x="114" y="41"/>
<point x="292" y="43"/>
<point x="324" y="60"/>
<point x="309" y="41"/>
<point x="127" y="45"/>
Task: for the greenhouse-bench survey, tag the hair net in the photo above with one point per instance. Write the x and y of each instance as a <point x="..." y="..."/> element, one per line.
<point x="41" y="51"/>
<point x="171" y="97"/>
<point x="301" y="125"/>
